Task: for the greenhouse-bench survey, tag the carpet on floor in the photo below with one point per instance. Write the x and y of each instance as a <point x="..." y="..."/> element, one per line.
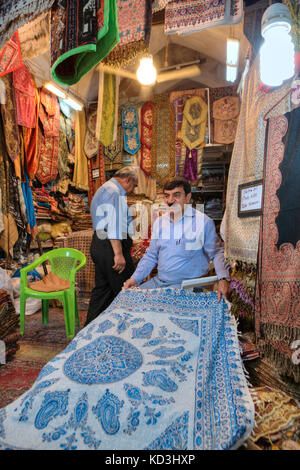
<point x="39" y="344"/>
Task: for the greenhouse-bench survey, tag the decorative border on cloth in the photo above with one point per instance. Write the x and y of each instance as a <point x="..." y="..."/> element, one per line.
<point x="277" y="306"/>
<point x="146" y="137"/>
<point x="10" y="55"/>
<point x="134" y="22"/>
<point x="163" y="142"/>
<point x="190" y="16"/>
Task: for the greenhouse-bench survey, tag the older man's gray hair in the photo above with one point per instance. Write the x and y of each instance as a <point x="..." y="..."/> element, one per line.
<point x="125" y="172"/>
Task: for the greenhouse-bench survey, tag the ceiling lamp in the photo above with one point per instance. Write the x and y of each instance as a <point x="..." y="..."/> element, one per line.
<point x="232" y="59"/>
<point x="146" y="73"/>
<point x="74" y="103"/>
<point x="277" y="53"/>
<point x="54" y="89"/>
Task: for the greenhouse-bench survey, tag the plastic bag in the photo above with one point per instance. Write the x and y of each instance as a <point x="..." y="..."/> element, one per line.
<point x="6" y="283"/>
<point x="32" y="305"/>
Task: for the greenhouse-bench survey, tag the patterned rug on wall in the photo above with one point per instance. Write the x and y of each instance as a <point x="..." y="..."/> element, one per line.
<point x="38" y="346"/>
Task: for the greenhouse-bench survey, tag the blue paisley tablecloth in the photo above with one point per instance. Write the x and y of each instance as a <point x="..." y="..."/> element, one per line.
<point x="159" y="369"/>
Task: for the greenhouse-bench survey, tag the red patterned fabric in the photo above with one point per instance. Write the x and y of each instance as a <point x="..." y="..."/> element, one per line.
<point x="277" y="305"/>
<point x="10" y="55"/>
<point x="146" y="137"/>
<point x="97" y="175"/>
<point x="48" y="141"/>
<point x="25" y="95"/>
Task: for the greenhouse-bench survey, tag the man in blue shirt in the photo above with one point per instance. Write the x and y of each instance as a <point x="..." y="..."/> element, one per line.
<point x="111" y="243"/>
<point x="183" y="242"/>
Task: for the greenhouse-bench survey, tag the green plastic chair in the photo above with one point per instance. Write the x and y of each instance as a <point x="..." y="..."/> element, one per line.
<point x="65" y="262"/>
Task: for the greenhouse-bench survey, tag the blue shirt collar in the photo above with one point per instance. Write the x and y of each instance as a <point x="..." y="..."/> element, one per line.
<point x="116" y="182"/>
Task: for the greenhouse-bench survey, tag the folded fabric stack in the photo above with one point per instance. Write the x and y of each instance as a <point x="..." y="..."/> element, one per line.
<point x="44" y="203"/>
<point x="212" y="178"/>
<point x="9" y="323"/>
<point x="214" y="208"/>
<point x="247" y="347"/>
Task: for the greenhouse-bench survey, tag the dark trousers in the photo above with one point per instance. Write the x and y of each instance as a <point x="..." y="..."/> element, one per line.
<point x="108" y="282"/>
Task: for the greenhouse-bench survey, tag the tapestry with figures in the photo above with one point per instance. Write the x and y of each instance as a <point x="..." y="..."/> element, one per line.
<point x="159" y="369"/>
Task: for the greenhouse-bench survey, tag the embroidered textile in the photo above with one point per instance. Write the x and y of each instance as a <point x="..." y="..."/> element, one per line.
<point x="25" y="95"/>
<point x="10" y="55"/>
<point x="242" y="234"/>
<point x="16" y="13"/>
<point x="146" y="137"/>
<point x="130" y="124"/>
<point x="140" y="376"/>
<point x="278" y="287"/>
<point x="190" y="16"/>
<point x="108" y="110"/>
<point x="163" y="142"/>
<point x="80" y="175"/>
<point x="134" y="22"/>
<point x="194" y="122"/>
<point x="47" y="158"/>
<point x="113" y="153"/>
<point x="190" y="171"/>
<point x="63" y="151"/>
<point x="48" y="140"/>
<point x="225" y="114"/>
<point x="82" y="34"/>
<point x="91" y="144"/>
<point x="9" y="116"/>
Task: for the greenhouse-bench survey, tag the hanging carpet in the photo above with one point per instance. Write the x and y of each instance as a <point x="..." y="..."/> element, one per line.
<point x="10" y="55"/>
<point x="134" y="22"/>
<point x="113" y="153"/>
<point x="130" y="123"/>
<point x="10" y="123"/>
<point x="277" y="301"/>
<point x="163" y="142"/>
<point x="146" y="137"/>
<point x="82" y="34"/>
<point x="16" y="13"/>
<point x="190" y="16"/>
<point x="80" y="175"/>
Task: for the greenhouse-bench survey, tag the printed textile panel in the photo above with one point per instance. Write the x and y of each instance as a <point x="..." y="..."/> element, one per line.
<point x="134" y="23"/>
<point x="140" y="376"/>
<point x="10" y="55"/>
<point x="188" y="16"/>
<point x="277" y="304"/>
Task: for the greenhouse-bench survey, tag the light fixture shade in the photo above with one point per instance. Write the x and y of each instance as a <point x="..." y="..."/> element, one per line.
<point x="75" y="104"/>
<point x="233" y="46"/>
<point x="146" y="73"/>
<point x="55" y="90"/>
<point x="231" y="73"/>
<point x="277" y="54"/>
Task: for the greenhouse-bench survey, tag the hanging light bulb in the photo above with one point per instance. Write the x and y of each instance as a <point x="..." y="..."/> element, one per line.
<point x="277" y="53"/>
<point x="146" y="73"/>
<point x="232" y="59"/>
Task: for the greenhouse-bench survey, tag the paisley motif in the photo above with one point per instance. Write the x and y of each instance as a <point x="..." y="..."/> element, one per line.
<point x="144" y="331"/>
<point x="54" y="404"/>
<point x="108" y="359"/>
<point x="159" y="378"/>
<point x="107" y="411"/>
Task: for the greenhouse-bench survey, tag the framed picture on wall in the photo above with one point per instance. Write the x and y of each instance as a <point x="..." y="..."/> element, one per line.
<point x="250" y="198"/>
